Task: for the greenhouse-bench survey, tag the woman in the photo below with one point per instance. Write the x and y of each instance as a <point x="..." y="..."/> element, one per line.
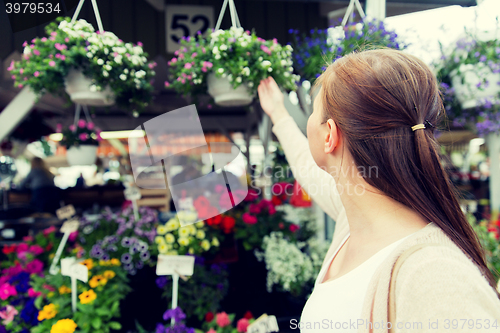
<point x="372" y="164"/>
<point x="44" y="194"/>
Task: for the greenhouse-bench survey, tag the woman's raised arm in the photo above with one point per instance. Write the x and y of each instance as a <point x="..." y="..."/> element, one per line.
<point x="319" y="184"/>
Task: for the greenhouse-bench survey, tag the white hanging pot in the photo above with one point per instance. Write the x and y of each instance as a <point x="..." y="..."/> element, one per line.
<point x="81" y="155"/>
<point x="465" y="81"/>
<point x="225" y="95"/>
<point x="78" y="88"/>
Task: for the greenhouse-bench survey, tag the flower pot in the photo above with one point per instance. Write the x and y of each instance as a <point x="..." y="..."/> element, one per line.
<point x="78" y="89"/>
<point x="81" y="155"/>
<point x="465" y="81"/>
<point x="225" y="95"/>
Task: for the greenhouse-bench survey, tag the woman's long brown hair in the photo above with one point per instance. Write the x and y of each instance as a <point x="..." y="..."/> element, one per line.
<point x="375" y="97"/>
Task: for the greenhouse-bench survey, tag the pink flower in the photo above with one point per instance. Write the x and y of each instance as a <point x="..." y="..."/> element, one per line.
<point x="222" y="319"/>
<point x="83" y="136"/>
<point x="194" y="54"/>
<point x="52" y="229"/>
<point x="63" y="57"/>
<point x="44" y="39"/>
<point x="52" y="38"/>
<point x="34" y="267"/>
<point x="72" y="128"/>
<point x="252" y="195"/>
<point x="275" y="41"/>
<point x="249" y="219"/>
<point x="167" y="84"/>
<point x="72" y="237"/>
<point x="58" y="55"/>
<point x="211" y="331"/>
<point x="28" y="238"/>
<point x="255" y="209"/>
<point x="36" y="52"/>
<point x="207" y="64"/>
<point x="21" y="71"/>
<point x="36" y="74"/>
<point x="66" y="39"/>
<point x="20" y="85"/>
<point x="25" y="44"/>
<point x="173" y="61"/>
<point x="204" y="69"/>
<point x="183" y="81"/>
<point x="181" y="56"/>
<point x="139" y="44"/>
<point x="6" y="290"/>
<point x="33" y="40"/>
<point x="90" y="126"/>
<point x="98" y="135"/>
<point x="294" y="227"/>
<point x="53" y="33"/>
<point x="189" y="77"/>
<point x="242" y="325"/>
<point x="176" y="52"/>
<point x="52" y="63"/>
<point x="51" y="56"/>
<point x="13" y="77"/>
<point x="58" y="128"/>
<point x="188" y="66"/>
<point x="203" y="50"/>
<point x="271" y="210"/>
<point x="82" y="123"/>
<point x="8" y="314"/>
<point x="33" y="294"/>
<point x="11" y="67"/>
<point x="36" y="249"/>
<point x="23" y="247"/>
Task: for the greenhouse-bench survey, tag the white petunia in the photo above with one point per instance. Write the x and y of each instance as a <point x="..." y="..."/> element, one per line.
<point x="238" y="79"/>
<point x="284" y="63"/>
<point x="217" y="56"/>
<point x="123" y="77"/>
<point x="269" y="69"/>
<point x="260" y="58"/>
<point x="250" y="84"/>
<point x="100" y="62"/>
<point x="89" y="54"/>
<point x="220" y="70"/>
<point x="287" y="74"/>
<point x="215" y="50"/>
<point x="266" y="63"/>
<point x="244" y="44"/>
<point x="105" y="73"/>
<point x="223" y="47"/>
<point x="125" y="71"/>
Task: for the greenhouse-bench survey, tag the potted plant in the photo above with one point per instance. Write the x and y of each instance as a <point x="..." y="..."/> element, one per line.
<point x="314" y="52"/>
<point x="471" y="66"/>
<point x="81" y="142"/>
<point x="229" y="64"/>
<point x="94" y="68"/>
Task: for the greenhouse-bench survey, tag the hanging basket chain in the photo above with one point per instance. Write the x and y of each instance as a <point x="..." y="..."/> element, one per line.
<point x="78" y="109"/>
<point x="350" y="10"/>
<point x="96" y="12"/>
<point x="235" y="21"/>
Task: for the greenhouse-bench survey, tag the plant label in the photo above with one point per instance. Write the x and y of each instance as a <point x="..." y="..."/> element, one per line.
<point x="70" y="226"/>
<point x="186" y="204"/>
<point x="169" y="265"/>
<point x="264" y="324"/>
<point x="132" y="193"/>
<point x="69" y="267"/>
<point x="65" y="212"/>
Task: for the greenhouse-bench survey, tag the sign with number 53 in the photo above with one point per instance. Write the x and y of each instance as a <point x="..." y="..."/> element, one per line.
<point x="186" y="21"/>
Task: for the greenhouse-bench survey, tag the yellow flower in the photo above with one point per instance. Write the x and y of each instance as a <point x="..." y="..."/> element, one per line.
<point x="184" y="232"/>
<point x="162" y="248"/>
<point x="161" y="230"/>
<point x="215" y="242"/>
<point x="200" y="234"/>
<point x="191" y="250"/>
<point x="192" y="229"/>
<point x="205" y="244"/>
<point x="50" y="294"/>
<point x="169" y="238"/>
<point x="183" y="241"/>
<point x="172" y="224"/>
<point x="172" y="253"/>
<point x="200" y="224"/>
<point x="87" y="296"/>
<point x="98" y="280"/>
<point x="64" y="290"/>
<point x="187" y="216"/>
<point x="89" y="263"/>
<point x="103" y="263"/>
<point x="48" y="312"/>
<point x="64" y="326"/>
<point x="115" y="262"/>
<point x="159" y="239"/>
<point x="109" y="274"/>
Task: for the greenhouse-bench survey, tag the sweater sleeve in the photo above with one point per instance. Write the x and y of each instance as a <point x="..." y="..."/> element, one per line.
<point x="440" y="291"/>
<point x="318" y="184"/>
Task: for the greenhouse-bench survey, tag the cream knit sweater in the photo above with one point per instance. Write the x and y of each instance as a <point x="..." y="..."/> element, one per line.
<point x="438" y="289"/>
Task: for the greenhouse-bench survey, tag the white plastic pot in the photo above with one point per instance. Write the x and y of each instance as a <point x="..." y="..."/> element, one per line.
<point x="78" y="89"/>
<point x="465" y="80"/>
<point x="225" y="95"/>
<point x="81" y="155"/>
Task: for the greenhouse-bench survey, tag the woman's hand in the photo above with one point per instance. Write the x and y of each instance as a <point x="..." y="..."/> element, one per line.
<point x="272" y="99"/>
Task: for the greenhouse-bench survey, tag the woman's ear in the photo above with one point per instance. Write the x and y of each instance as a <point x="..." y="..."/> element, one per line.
<point x="332" y="137"/>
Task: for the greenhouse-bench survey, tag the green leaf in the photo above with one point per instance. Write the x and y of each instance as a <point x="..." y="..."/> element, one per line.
<point x="102" y="311"/>
<point x="115" y="325"/>
<point x="96" y="322"/>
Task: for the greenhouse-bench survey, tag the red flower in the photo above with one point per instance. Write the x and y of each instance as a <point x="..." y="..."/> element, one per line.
<point x="216" y="220"/>
<point x="248" y="315"/>
<point x="281" y="225"/>
<point x="34" y="267"/>
<point x="252" y="195"/>
<point x="8" y="249"/>
<point x="227" y="224"/>
<point x="497" y="223"/>
<point x="23" y="247"/>
<point x="48" y="247"/>
<point x="242" y="325"/>
<point x="209" y="317"/>
<point x="276" y="201"/>
<point x="249" y="219"/>
<point x="294" y="227"/>
<point x="255" y="209"/>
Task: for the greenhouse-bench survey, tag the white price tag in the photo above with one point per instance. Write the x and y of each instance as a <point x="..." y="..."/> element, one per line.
<point x="69" y="267"/>
<point x="132" y="193"/>
<point x="65" y="212"/>
<point x="70" y="226"/>
<point x="168" y="265"/>
<point x="264" y="324"/>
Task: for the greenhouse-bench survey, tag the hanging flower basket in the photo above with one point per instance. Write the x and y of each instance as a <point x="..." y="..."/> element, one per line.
<point x="474" y="84"/>
<point x="224" y="94"/>
<point x="81" y="90"/>
<point x="81" y="155"/>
